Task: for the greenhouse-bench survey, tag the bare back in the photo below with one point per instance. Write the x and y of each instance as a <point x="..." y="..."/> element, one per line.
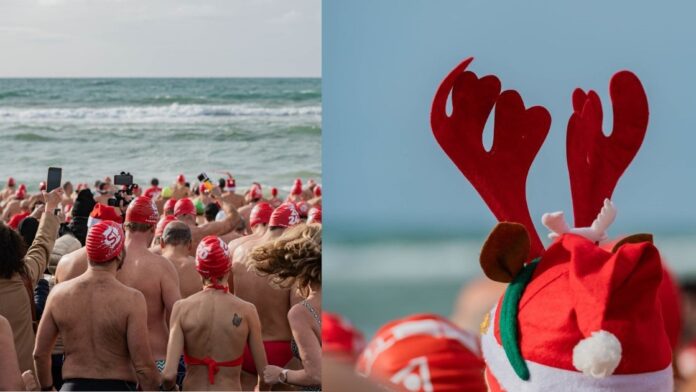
<point x="71" y="265"/>
<point x="95" y="346"/>
<point x="217" y="325"/>
<point x="185" y="265"/>
<point x="157" y="279"/>
<point x="272" y="303"/>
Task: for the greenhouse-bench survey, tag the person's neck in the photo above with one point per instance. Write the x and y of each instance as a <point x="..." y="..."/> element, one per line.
<point x="136" y="240"/>
<point x="259" y="230"/>
<point x="101" y="272"/>
<point x="314" y="292"/>
<point x="272" y="234"/>
<point x="176" y="251"/>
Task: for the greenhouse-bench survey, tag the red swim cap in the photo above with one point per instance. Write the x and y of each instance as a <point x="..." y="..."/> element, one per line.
<point x="260" y="214"/>
<point x="255" y="192"/>
<point x="314" y="215"/>
<point x="10" y="181"/>
<point x="231" y="183"/>
<point x="162" y="224"/>
<point x="20" y="193"/>
<point x="180" y="179"/>
<point x="184" y="207"/>
<point x="169" y="206"/>
<point x="285" y="215"/>
<point x="340" y="337"/>
<point x="22" y="187"/>
<point x="296" y="187"/>
<point x="213" y="257"/>
<point x="102" y="212"/>
<point x="424" y="353"/>
<point x="104" y="241"/>
<point x="42" y="186"/>
<point x="317" y="191"/>
<point x="202" y="189"/>
<point x="302" y="208"/>
<point x="274" y="191"/>
<point x="142" y="209"/>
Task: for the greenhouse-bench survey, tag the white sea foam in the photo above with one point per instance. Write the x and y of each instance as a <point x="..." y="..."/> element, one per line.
<point x="171" y="112"/>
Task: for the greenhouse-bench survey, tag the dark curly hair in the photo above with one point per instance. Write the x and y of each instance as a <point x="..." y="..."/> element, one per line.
<point x="12" y="252"/>
<point x="295" y="257"/>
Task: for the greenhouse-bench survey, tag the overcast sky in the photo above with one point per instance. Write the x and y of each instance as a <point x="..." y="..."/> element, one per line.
<point x="56" y="38"/>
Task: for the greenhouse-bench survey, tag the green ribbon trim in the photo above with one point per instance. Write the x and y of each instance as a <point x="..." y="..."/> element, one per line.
<point x="508" y="319"/>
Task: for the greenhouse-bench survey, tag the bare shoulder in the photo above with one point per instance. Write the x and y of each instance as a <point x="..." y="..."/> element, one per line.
<point x="298" y="313"/>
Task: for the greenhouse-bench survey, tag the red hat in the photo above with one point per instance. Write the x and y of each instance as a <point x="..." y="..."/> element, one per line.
<point x="202" y="189"/>
<point x="102" y="212"/>
<point x="255" y="192"/>
<point x="169" y="205"/>
<point x="340" y="337"/>
<point x="104" y="241"/>
<point x="274" y="191"/>
<point x="314" y="215"/>
<point x="162" y="224"/>
<point x="296" y="187"/>
<point x="142" y="209"/>
<point x="184" y="207"/>
<point x="317" y="191"/>
<point x="424" y="352"/>
<point x="285" y="215"/>
<point x="213" y="257"/>
<point x="10" y="181"/>
<point x="302" y="208"/>
<point x="180" y="179"/>
<point x="20" y="193"/>
<point x="42" y="186"/>
<point x="22" y="187"/>
<point x="231" y="183"/>
<point x="260" y="214"/>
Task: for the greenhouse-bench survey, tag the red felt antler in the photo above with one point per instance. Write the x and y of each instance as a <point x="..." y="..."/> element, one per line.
<point x="499" y="175"/>
<point x="596" y="162"/>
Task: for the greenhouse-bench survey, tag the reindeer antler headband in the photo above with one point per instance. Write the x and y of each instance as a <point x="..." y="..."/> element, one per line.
<point x="595" y="161"/>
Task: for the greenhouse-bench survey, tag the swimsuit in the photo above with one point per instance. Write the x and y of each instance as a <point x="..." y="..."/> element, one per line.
<point x="278" y="353"/>
<point x="93" y="384"/>
<point x="295" y="349"/>
<point x="213" y="365"/>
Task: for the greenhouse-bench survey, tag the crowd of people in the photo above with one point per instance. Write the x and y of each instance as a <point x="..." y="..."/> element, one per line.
<point x="191" y="287"/>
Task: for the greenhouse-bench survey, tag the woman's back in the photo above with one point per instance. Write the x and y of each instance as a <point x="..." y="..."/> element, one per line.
<point x="215" y="325"/>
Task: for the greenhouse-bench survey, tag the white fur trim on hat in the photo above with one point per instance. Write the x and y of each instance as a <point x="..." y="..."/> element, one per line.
<point x="597" y="355"/>
<point x="547" y="378"/>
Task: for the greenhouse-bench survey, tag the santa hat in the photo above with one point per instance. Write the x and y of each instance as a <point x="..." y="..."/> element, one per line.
<point x="42" y="186"/>
<point x="575" y="316"/>
<point x="231" y="184"/>
<point x="255" y="192"/>
<point x="102" y="212"/>
<point x="424" y="352"/>
<point x="180" y="179"/>
<point x="340" y="337"/>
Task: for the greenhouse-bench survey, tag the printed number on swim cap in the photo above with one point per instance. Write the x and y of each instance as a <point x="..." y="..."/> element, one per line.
<point x="203" y="253"/>
<point x="111" y="237"/>
<point x="415" y="376"/>
<point x="294" y="217"/>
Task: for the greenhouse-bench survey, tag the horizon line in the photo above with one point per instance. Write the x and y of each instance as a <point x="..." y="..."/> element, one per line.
<point x="160" y="77"/>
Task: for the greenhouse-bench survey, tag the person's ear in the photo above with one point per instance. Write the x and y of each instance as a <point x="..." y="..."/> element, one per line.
<point x="505" y="251"/>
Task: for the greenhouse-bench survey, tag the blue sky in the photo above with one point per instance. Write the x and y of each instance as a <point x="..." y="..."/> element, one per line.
<point x="83" y="38"/>
<point x="383" y="60"/>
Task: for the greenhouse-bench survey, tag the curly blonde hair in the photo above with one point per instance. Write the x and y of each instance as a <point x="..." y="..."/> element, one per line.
<point x="295" y="257"/>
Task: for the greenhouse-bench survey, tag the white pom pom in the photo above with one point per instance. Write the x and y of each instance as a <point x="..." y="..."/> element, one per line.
<point x="597" y="355"/>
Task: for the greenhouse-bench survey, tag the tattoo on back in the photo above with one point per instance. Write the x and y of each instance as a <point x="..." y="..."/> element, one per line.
<point x="236" y="320"/>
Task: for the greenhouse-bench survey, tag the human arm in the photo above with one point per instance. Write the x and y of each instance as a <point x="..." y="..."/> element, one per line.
<point x="39" y="252"/>
<point x="139" y="346"/>
<point x="310" y="352"/>
<point x="175" y="348"/>
<point x="10" y="377"/>
<point x="255" y="341"/>
<point x="45" y="340"/>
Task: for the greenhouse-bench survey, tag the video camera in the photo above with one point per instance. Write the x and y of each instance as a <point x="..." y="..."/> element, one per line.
<point x="120" y="198"/>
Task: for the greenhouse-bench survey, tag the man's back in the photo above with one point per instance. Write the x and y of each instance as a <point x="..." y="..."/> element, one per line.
<point x="189" y="280"/>
<point x="95" y="345"/>
<point x="71" y="265"/>
<point x="157" y="280"/>
<point x="272" y="303"/>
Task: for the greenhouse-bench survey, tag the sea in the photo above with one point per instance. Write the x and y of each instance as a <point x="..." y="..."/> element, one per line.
<point x="266" y="130"/>
<point x="386" y="277"/>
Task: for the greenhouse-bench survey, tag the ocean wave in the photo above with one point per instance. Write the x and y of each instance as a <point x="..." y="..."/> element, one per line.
<point x="31" y="137"/>
<point x="154" y="113"/>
